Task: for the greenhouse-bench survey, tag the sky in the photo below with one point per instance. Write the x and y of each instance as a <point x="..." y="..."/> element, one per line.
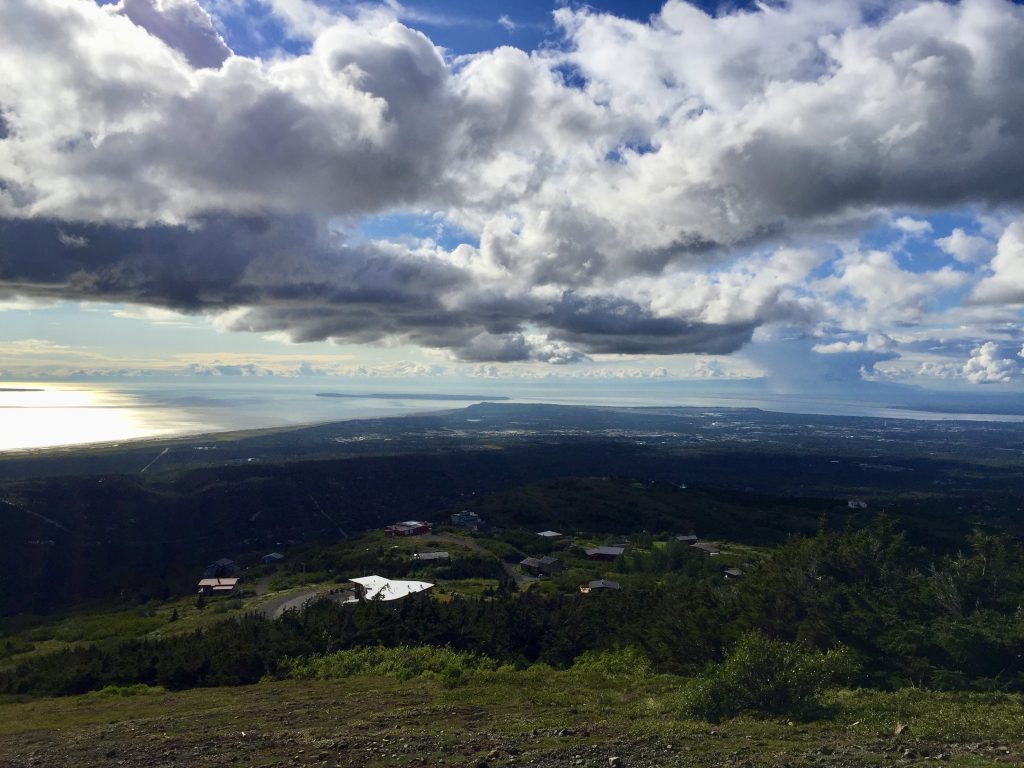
<point x="819" y="196"/>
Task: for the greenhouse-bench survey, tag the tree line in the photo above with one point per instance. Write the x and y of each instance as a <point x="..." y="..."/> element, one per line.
<point x="908" y="616"/>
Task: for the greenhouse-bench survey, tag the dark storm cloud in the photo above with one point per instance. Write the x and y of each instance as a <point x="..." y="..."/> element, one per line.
<point x="611" y="325"/>
<point x="292" y="276"/>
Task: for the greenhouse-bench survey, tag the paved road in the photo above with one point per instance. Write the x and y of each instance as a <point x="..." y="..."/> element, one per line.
<point x="154" y="461"/>
<point x="274" y="608"/>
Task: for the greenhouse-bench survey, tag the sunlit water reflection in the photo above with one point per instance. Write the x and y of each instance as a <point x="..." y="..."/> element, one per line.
<point x="32" y="416"/>
<point x="42" y="415"/>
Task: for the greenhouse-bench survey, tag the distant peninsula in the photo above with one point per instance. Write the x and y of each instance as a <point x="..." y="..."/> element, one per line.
<point x="420" y="396"/>
<point x="21" y="389"/>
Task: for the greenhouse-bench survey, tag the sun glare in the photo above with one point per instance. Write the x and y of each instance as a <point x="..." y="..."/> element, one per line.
<point x="47" y="415"/>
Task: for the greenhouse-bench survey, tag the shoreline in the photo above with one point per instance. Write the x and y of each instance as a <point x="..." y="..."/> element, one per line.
<point x="222" y="436"/>
<point x="230" y="435"/>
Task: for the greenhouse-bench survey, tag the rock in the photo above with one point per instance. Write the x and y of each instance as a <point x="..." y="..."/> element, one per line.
<point x="615" y="762"/>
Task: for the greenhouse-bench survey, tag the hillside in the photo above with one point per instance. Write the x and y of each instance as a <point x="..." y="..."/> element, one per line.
<point x="71" y="534"/>
<point x="539" y="718"/>
<point x="802" y="630"/>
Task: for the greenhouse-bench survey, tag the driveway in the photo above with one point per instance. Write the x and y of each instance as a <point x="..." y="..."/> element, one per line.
<point x="273" y="609"/>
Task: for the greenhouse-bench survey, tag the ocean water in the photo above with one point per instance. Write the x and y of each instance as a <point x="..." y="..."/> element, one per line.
<point x="41" y="415"/>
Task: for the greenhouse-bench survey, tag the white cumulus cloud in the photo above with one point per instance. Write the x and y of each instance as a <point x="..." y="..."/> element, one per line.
<point x="985" y="366"/>
<point x="641" y="187"/>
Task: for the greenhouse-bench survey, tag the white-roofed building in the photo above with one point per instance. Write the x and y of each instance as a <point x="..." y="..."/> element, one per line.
<point x="218" y="586"/>
<point x="408" y="528"/>
<point x="379" y="588"/>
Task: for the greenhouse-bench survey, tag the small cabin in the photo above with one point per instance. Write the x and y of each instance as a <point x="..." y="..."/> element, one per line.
<point x="542" y="566"/>
<point x="551" y="535"/>
<point x="408" y="528"/>
<point x="707" y="548"/>
<point x="598" y="585"/>
<point x="218" y="587"/>
<point x="431" y="557"/>
<point x="469" y="520"/>
<point x="273" y="557"/>
<point x="604" y="553"/>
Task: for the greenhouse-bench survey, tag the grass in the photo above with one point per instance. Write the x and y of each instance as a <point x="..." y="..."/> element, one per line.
<point x="154" y="620"/>
<point x="464" y="587"/>
<point x="36" y="635"/>
<point x="548" y="716"/>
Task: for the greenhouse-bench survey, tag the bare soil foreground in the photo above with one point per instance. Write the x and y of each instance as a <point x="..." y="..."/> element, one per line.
<point x="537" y="718"/>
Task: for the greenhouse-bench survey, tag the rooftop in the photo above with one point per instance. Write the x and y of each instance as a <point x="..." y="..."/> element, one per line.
<point x="213" y="583"/>
<point x="706" y="546"/>
<point x="430" y="556"/>
<point x="379" y="588"/>
<point x="605" y="551"/>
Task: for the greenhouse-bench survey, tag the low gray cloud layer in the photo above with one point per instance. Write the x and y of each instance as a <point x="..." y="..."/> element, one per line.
<point x="667" y="204"/>
<point x="293" y="276"/>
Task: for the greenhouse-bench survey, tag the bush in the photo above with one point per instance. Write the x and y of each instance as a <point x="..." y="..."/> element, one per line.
<point x="624" y="662"/>
<point x="769" y="676"/>
<point x="402" y="662"/>
<point x="138" y="689"/>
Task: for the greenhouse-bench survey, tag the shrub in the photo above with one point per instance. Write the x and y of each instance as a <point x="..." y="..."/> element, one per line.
<point x="769" y="676"/>
<point x="138" y="689"/>
<point x="402" y="662"/>
<point x="623" y="662"/>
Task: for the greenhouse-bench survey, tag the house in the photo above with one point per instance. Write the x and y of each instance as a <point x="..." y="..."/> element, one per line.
<point x="218" y="587"/>
<point x="408" y="528"/>
<point x="598" y="585"/>
<point x="470" y="520"/>
<point x="733" y="573"/>
<point x="465" y="518"/>
<point x="386" y="590"/>
<point x="550" y="535"/>
<point x="430" y="556"/>
<point x="707" y="547"/>
<point x="604" y="553"/>
<point x="542" y="566"/>
<point x="857" y="504"/>
<point x="221" y="567"/>
<point x="689" y="538"/>
<point x="273" y="557"/>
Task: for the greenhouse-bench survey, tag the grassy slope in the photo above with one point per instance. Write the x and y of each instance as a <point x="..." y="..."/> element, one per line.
<point x="541" y="717"/>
